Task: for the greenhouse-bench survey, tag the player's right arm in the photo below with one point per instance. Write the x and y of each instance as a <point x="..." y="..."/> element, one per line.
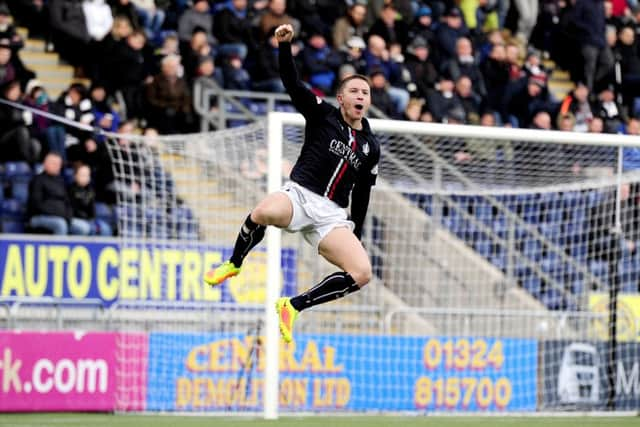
<point x="305" y="101"/>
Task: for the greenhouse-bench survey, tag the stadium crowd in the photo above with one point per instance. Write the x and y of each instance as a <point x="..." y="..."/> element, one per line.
<point x="450" y="61"/>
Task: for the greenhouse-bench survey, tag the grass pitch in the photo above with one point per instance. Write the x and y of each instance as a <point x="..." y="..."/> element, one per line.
<point x="104" y="420"/>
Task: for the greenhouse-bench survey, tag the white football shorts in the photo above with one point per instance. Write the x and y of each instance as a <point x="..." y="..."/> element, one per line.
<point x="313" y="215"/>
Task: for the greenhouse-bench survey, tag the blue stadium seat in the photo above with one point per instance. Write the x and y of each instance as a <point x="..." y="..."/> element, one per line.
<point x="11" y="226"/>
<point x="19" y="175"/>
<point x="13" y="209"/>
<point x="553" y="299"/>
<point x="532" y="249"/>
<point x="259" y="108"/>
<point x="483" y="247"/>
<point x="533" y="285"/>
<point x="67" y="174"/>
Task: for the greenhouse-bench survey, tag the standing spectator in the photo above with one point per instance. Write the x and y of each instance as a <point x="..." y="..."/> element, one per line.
<point x="126" y="9"/>
<point x="151" y="14"/>
<point x="48" y="206"/>
<point x="8" y="30"/>
<point x="589" y="20"/>
<point x="11" y="67"/>
<point x="83" y="205"/>
<point x="232" y="28"/>
<point x="320" y="62"/>
<point x="495" y="70"/>
<point x="69" y="31"/>
<point x="390" y="27"/>
<point x="527" y="17"/>
<point x="422" y="26"/>
<point x="274" y="16"/>
<point x="351" y="25"/>
<point x="15" y="141"/>
<point x="628" y="52"/>
<point x="169" y="100"/>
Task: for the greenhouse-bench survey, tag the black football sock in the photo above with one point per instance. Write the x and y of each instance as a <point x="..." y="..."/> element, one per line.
<point x="250" y="235"/>
<point x="332" y="287"/>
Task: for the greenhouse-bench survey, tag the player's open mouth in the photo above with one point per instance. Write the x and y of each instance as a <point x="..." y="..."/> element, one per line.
<point x="359" y="107"/>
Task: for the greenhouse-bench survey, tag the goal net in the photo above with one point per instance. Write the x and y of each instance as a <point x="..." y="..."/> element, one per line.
<point x="505" y="275"/>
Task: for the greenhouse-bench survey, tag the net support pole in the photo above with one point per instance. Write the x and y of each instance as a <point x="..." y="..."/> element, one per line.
<point x="274" y="243"/>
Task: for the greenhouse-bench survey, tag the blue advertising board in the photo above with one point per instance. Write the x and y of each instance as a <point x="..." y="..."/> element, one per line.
<point x="209" y="372"/>
<point x="106" y="270"/>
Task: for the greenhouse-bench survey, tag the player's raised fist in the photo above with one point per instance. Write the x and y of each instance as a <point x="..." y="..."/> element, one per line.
<point x="284" y="33"/>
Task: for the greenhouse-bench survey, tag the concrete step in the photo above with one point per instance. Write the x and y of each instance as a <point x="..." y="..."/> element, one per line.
<point x="45" y="58"/>
<point x="34" y="45"/>
<point x="52" y="72"/>
<point x="560" y="75"/>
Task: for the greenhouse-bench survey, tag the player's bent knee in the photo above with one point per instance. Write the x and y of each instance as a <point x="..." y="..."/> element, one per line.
<point x="362" y="275"/>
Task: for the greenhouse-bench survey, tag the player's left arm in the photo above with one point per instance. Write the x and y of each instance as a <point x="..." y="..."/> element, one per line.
<point x="361" y="194"/>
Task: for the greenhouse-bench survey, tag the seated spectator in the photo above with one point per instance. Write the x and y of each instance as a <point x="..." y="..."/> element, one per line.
<point x="628" y="51"/>
<point x="266" y="73"/>
<point x="83" y="204"/>
<point x="11" y="67"/>
<point x="608" y="109"/>
<point x="74" y="104"/>
<point x="532" y="65"/>
<point x="350" y="25"/>
<point x="352" y="54"/>
<point x="105" y="116"/>
<point x="126" y="9"/>
<point x="419" y="63"/>
<point x="576" y="102"/>
<point x="93" y="152"/>
<point x="273" y="17"/>
<point x="232" y="28"/>
<point x="443" y="99"/>
<point x="51" y="134"/>
<point x="471" y="101"/>
<point x="98" y="18"/>
<point x="207" y="70"/>
<point x="565" y="122"/>
<point x="235" y="77"/>
<point x="151" y="17"/>
<point x="169" y="99"/>
<point x="522" y="99"/>
<point x="380" y="97"/>
<point x="15" y="141"/>
<point x="320" y="63"/>
<point x="631" y="155"/>
<point x="196" y="17"/>
<point x="464" y="64"/>
<point x="512" y="52"/>
<point x="448" y="32"/>
<point x="49" y="206"/>
<point x="541" y="120"/>
<point x="198" y="47"/>
<point x="390" y="27"/>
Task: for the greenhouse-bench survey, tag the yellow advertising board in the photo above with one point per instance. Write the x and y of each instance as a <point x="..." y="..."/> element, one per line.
<point x="628" y="324"/>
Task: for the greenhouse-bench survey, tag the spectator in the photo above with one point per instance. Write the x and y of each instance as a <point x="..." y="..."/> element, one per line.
<point x="527" y="17"/>
<point x="513" y="59"/>
<point x="470" y="101"/>
<point x="232" y="28"/>
<point x="596" y="125"/>
<point x="320" y="62"/>
<point x="196" y="17"/>
<point x="464" y="64"/>
<point x="83" y="205"/>
<point x="11" y="67"/>
<point x="208" y="70"/>
<point x="522" y="99"/>
<point x="266" y="74"/>
<point x="422" y="26"/>
<point x="129" y="55"/>
<point x="75" y="105"/>
<point x="151" y="15"/>
<point x="274" y="16"/>
<point x="608" y="109"/>
<point x="352" y="54"/>
<point x="390" y="27"/>
<point x="8" y="30"/>
<point x="351" y="25"/>
<point x="48" y="206"/>
<point x="443" y="99"/>
<point x="105" y="117"/>
<point x="50" y="134"/>
<point x="98" y="18"/>
<point x="597" y="58"/>
<point x="380" y="97"/>
<point x="631" y="156"/>
<point x="495" y="70"/>
<point x="532" y="65"/>
<point x="414" y="110"/>
<point x="198" y="47"/>
<point x="169" y="100"/>
<point x="541" y="120"/>
<point x="576" y="102"/>
<point x="628" y="52"/>
<point x="101" y="67"/>
<point x="423" y="71"/>
<point x="315" y="15"/>
<point x="448" y="32"/>
<point x="566" y="122"/>
<point x="15" y="141"/>
<point x="235" y="77"/>
<point x="126" y="9"/>
<point x="69" y="31"/>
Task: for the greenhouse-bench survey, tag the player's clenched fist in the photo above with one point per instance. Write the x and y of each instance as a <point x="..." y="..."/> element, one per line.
<point x="284" y="33"/>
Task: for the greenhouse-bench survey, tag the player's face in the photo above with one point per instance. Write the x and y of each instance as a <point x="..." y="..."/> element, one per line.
<point x="355" y="99"/>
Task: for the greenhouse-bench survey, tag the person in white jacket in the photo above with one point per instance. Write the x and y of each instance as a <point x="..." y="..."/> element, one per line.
<point x="98" y="17"/>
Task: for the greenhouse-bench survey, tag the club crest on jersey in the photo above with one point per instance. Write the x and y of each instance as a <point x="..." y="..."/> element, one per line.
<point x="318" y="100"/>
<point x="365" y="148"/>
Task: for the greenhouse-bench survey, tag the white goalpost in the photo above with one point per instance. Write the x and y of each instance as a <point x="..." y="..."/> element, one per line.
<point x="506" y="276"/>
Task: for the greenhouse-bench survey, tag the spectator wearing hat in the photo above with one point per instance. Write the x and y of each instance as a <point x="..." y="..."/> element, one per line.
<point x="448" y="32"/>
<point x="352" y="54"/>
<point x="390" y="26"/>
<point x="15" y="141"/>
<point x="576" y="102"/>
<point x="532" y="64"/>
<point x="419" y="63"/>
<point x="464" y="63"/>
<point x="232" y="28"/>
<point x="422" y="26"/>
<point x="49" y="133"/>
<point x="350" y="25"/>
<point x="320" y="62"/>
<point x="523" y="98"/>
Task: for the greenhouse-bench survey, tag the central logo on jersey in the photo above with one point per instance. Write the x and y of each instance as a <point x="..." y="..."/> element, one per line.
<point x="365" y="148"/>
<point x="343" y="150"/>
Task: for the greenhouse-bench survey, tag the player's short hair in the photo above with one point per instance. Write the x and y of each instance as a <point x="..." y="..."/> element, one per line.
<point x="353" y="77"/>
